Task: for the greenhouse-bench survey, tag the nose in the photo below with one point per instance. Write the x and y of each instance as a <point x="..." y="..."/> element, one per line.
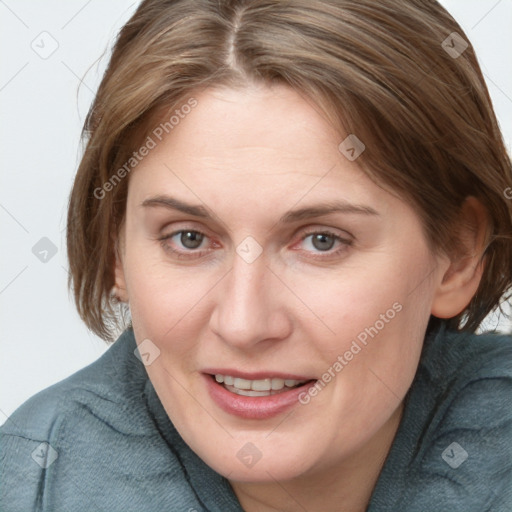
<point x="250" y="306"/>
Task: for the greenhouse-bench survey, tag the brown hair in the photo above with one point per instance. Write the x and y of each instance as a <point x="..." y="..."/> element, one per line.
<point x="392" y="72"/>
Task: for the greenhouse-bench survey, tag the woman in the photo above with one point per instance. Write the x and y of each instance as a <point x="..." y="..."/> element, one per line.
<point x="301" y="208"/>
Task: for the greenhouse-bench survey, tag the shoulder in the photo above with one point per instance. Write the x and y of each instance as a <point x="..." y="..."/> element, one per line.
<point x="487" y="355"/>
<point x="103" y="380"/>
<point x="483" y="368"/>
<point x="453" y="448"/>
<point x="91" y="438"/>
<point x="470" y="381"/>
<point x="465" y="450"/>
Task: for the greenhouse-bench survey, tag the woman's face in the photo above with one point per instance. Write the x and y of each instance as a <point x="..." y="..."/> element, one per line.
<point x="257" y="253"/>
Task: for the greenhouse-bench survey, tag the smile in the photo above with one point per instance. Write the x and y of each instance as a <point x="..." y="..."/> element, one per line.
<point x="255" y="398"/>
<point x="259" y="387"/>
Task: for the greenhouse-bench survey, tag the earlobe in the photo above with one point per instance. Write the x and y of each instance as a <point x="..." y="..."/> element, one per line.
<point x="462" y="277"/>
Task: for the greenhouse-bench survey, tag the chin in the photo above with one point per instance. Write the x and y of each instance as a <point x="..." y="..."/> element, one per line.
<point x="262" y="473"/>
<point x="247" y="465"/>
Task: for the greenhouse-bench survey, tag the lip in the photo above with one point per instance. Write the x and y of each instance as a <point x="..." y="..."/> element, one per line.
<point x="254" y="407"/>
<point x="255" y="375"/>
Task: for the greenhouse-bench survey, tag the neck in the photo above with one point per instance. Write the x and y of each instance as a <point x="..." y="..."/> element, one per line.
<point x="346" y="486"/>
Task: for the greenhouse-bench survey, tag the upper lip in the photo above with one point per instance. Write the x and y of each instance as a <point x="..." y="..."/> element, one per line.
<point x="256" y="375"/>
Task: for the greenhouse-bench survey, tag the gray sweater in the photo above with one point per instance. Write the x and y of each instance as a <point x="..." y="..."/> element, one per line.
<point x="100" y="440"/>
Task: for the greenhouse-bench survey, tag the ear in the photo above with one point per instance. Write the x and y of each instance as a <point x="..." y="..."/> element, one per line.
<point x="120" y="289"/>
<point x="463" y="273"/>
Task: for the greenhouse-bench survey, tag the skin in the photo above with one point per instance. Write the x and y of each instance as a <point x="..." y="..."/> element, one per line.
<point x="249" y="156"/>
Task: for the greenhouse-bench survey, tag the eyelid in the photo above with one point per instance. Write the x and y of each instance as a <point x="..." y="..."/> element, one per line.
<point x="185" y="225"/>
<point x="336" y="232"/>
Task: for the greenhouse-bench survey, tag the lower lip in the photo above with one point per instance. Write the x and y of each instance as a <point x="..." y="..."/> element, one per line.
<point x="254" y="407"/>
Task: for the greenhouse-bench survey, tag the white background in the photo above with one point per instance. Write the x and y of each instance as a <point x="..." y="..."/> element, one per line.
<point x="42" y="111"/>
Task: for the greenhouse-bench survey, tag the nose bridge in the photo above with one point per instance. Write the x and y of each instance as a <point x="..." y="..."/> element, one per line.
<point x="246" y="291"/>
<point x="247" y="309"/>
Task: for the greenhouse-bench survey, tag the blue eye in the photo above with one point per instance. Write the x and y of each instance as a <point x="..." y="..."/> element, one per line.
<point x="319" y="242"/>
<point x="189" y="239"/>
<point x="322" y="241"/>
<point x="185" y="244"/>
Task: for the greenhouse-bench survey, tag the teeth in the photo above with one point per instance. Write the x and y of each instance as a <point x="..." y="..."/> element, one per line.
<point x="261" y="385"/>
<point x="241" y="384"/>
<point x="277" y="384"/>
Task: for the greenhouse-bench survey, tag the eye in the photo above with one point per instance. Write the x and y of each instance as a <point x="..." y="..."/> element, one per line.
<point x="322" y="241"/>
<point x="190" y="243"/>
<point x="189" y="239"/>
<point x="319" y="242"/>
<point x="186" y="243"/>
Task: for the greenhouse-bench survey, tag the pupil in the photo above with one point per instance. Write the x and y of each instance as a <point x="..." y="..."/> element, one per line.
<point x="191" y="239"/>
<point x="323" y="241"/>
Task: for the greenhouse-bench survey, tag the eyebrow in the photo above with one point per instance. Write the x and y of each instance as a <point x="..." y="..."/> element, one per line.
<point x="328" y="208"/>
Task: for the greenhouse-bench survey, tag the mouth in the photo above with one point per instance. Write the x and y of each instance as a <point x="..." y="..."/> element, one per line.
<point x="257" y="387"/>
<point x="256" y="396"/>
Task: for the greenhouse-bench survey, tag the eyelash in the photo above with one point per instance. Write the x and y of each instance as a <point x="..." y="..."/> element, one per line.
<point x="197" y="253"/>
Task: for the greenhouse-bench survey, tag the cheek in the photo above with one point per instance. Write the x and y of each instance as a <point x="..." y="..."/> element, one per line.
<point x="162" y="298"/>
<point x="373" y="315"/>
<point x="166" y="306"/>
<point x="344" y="304"/>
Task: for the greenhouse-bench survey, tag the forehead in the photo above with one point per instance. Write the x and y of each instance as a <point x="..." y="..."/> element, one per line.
<point x="268" y="144"/>
<point x="252" y="117"/>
